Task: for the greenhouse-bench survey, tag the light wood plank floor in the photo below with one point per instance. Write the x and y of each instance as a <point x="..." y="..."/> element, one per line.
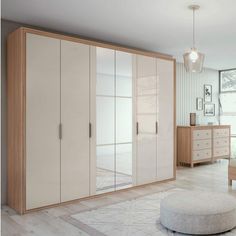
<point x="49" y="222"/>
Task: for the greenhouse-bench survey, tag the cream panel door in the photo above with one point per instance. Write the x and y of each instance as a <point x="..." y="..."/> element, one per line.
<point x="165" y="156"/>
<point x="146" y="67"/>
<point x="42" y="120"/>
<point x="146" y="112"/>
<point x="75" y="120"/>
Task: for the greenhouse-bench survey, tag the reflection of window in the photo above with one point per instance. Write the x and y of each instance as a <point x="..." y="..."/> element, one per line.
<point x="228" y="103"/>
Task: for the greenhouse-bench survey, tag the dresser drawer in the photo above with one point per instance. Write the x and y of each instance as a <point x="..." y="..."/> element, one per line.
<point x="201" y="154"/>
<point x="201" y="144"/>
<point x="222" y="151"/>
<point x="218" y="133"/>
<point x="202" y="134"/>
<point x="221" y="142"/>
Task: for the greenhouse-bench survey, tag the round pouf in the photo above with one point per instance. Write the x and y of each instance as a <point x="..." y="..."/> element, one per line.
<point x="192" y="212"/>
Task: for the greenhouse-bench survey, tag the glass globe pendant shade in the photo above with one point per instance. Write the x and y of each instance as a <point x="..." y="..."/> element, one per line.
<point x="193" y="61"/>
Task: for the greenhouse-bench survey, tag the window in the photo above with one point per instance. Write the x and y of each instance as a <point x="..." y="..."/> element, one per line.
<point x="228" y="81"/>
<point x="228" y="104"/>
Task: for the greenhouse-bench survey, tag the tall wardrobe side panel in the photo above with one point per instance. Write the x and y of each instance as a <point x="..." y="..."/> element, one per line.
<point x="15" y="121"/>
<point x="75" y="120"/>
<point x="165" y="152"/>
<point x="42" y="121"/>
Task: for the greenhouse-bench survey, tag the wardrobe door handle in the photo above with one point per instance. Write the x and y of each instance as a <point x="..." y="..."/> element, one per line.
<point x="137" y="128"/>
<point x="90" y="130"/>
<point x="156" y="127"/>
<point x="60" y="131"/>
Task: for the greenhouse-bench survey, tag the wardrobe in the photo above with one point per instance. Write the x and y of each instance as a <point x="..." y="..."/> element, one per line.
<point x="85" y="118"/>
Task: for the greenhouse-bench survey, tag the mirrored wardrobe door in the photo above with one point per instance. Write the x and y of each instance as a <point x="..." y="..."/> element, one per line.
<point x="105" y="120"/>
<point x="113" y="120"/>
<point x="124" y="115"/>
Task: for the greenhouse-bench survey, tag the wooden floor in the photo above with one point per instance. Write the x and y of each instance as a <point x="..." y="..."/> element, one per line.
<point x="212" y="177"/>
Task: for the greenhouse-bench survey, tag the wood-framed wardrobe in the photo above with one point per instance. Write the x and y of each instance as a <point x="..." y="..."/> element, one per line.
<point x="85" y="118"/>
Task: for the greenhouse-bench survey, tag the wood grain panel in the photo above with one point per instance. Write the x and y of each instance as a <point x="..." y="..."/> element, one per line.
<point x="183" y="145"/>
<point x="231" y="173"/>
<point x="16" y="120"/>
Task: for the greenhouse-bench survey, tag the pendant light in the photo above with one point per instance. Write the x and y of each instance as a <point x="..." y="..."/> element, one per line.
<point x="193" y="60"/>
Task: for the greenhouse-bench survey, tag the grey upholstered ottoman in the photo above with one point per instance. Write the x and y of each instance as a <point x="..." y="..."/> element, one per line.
<point x="193" y="212"/>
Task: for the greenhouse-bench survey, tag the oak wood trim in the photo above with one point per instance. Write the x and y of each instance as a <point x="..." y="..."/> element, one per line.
<point x="231" y="174"/>
<point x="16" y="121"/>
<point x="97" y="43"/>
<point x="184" y="146"/>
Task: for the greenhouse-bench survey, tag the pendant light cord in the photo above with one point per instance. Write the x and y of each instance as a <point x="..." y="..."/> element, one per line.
<point x="193" y="28"/>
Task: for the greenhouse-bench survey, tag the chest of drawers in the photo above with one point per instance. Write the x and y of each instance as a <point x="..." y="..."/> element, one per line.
<point x="197" y="144"/>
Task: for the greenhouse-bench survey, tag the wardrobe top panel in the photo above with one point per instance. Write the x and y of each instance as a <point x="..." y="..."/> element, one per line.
<point x="96" y="43"/>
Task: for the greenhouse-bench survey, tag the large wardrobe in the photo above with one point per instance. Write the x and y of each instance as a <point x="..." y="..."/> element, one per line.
<point x="85" y="118"/>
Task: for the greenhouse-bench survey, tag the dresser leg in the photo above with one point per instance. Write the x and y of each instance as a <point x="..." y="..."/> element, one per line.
<point x="230" y="182"/>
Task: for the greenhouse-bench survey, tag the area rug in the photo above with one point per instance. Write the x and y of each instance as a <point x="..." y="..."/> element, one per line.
<point x="136" y="217"/>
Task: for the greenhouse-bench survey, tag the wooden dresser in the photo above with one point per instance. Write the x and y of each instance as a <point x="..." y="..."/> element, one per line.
<point x="197" y="144"/>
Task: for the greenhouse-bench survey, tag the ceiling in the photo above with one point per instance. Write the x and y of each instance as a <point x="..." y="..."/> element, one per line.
<point x="157" y="25"/>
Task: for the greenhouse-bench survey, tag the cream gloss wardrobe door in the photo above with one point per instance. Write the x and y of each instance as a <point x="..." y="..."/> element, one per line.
<point x="146" y="118"/>
<point x="42" y="120"/>
<point x="165" y="146"/>
<point x="75" y="120"/>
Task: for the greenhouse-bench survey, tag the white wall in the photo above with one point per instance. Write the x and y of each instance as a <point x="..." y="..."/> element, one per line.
<point x="189" y="86"/>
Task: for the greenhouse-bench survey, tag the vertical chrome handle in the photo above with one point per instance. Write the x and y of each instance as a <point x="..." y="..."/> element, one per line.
<point x="137" y="131"/>
<point x="90" y="130"/>
<point x="60" y="131"/>
<point x="156" y="127"/>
